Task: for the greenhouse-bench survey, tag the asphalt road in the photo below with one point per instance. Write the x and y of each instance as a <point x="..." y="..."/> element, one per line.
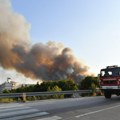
<point x="86" y="108"/>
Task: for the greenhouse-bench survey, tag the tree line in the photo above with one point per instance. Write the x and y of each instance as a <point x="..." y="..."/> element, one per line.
<point x="88" y="82"/>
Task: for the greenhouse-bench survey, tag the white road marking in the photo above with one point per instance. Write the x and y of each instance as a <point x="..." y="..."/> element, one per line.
<point x="26" y="116"/>
<point x="18" y="112"/>
<point x="14" y="109"/>
<point x="89" y="113"/>
<point x="51" y="118"/>
<point x="5" y="114"/>
<point x="10" y="105"/>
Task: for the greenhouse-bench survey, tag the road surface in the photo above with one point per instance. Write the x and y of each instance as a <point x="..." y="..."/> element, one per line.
<point x="84" y="108"/>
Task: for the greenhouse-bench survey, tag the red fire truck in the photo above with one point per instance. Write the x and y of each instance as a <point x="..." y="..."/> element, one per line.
<point x="110" y="81"/>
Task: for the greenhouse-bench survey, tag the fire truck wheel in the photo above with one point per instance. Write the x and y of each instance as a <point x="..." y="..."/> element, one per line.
<point x="107" y="95"/>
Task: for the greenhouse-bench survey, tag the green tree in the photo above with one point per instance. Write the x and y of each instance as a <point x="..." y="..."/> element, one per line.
<point x="67" y="85"/>
<point x="89" y="82"/>
<point x="6" y="91"/>
<point x="55" y="89"/>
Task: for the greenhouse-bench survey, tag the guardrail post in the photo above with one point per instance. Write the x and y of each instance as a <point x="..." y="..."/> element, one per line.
<point x="76" y="95"/>
<point x="24" y="97"/>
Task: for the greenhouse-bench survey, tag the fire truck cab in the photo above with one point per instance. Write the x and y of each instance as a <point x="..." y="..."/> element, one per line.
<point x="109" y="80"/>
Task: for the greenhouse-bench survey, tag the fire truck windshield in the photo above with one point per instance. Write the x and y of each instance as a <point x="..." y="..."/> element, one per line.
<point x="110" y="72"/>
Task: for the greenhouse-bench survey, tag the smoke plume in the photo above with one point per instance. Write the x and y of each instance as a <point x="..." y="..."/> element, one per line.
<point x="50" y="61"/>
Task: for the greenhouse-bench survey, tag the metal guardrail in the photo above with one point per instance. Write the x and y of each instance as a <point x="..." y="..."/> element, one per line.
<point x="16" y="95"/>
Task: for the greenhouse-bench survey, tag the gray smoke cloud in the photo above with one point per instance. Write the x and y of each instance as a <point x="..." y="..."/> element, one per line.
<point x="50" y="61"/>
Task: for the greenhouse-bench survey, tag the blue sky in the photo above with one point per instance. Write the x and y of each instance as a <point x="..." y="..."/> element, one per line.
<point x="91" y="28"/>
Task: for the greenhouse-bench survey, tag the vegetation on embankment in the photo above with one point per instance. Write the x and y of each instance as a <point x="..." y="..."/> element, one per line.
<point x="88" y="82"/>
